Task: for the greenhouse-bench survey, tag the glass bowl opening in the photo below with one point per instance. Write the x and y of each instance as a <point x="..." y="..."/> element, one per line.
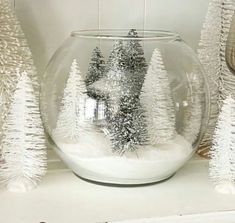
<point x="117" y="34"/>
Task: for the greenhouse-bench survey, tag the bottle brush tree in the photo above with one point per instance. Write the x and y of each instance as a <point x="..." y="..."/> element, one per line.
<point x="95" y="72"/>
<point x="23" y="160"/>
<point x="71" y="121"/>
<point x="157" y="100"/>
<point x="211" y="52"/>
<point x="222" y="163"/>
<point x="136" y="63"/>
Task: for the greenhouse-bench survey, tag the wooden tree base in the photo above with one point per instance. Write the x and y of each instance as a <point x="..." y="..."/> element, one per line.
<point x="204" y="152"/>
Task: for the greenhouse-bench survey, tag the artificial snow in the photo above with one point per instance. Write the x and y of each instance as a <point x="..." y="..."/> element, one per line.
<point x="93" y="154"/>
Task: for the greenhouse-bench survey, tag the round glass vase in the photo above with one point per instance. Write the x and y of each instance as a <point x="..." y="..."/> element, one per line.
<point x="125" y="106"/>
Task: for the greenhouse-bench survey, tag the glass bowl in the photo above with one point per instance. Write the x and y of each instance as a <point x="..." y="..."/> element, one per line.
<point x="125" y="106"/>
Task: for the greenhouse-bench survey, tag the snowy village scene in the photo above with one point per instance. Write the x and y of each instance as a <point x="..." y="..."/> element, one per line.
<point x="119" y="118"/>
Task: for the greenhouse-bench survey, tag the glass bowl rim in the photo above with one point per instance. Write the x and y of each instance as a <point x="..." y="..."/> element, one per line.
<point x="121" y="34"/>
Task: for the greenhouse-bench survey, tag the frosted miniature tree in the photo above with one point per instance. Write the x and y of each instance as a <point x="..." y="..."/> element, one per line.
<point x="127" y="128"/>
<point x="193" y="108"/>
<point x="211" y="53"/>
<point x="23" y="144"/>
<point x="227" y="78"/>
<point x="118" y="57"/>
<point x="222" y="163"/>
<point x="14" y="53"/>
<point x="157" y="100"/>
<point x="95" y="71"/>
<point x="124" y="73"/>
<point x="124" y="114"/>
<point x="71" y="122"/>
<point x="136" y="63"/>
<point x="114" y="82"/>
<point x="208" y="54"/>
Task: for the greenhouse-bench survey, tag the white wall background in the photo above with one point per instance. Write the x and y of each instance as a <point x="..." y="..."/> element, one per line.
<point x="47" y="23"/>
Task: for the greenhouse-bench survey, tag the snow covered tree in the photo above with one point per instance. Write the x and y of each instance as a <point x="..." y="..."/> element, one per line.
<point x="114" y="83"/>
<point x="211" y="53"/>
<point x="71" y="121"/>
<point x="118" y="57"/>
<point x="127" y="129"/>
<point x="193" y="108"/>
<point x="136" y="63"/>
<point x="14" y="53"/>
<point x="227" y="78"/>
<point x="23" y="143"/>
<point x="157" y="100"/>
<point x="95" y="71"/>
<point x="124" y="115"/>
<point x="222" y="163"/>
<point x="96" y="67"/>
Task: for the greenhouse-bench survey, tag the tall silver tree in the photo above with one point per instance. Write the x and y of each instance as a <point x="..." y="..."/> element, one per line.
<point x="95" y="72"/>
<point x="124" y="115"/>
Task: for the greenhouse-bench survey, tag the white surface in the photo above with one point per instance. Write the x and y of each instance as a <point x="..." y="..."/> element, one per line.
<point x="21" y="185"/>
<point x="225" y="188"/>
<point x="217" y="217"/>
<point x="48" y="22"/>
<point x="62" y="197"/>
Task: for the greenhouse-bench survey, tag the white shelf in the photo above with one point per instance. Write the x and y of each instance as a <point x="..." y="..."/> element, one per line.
<point x="64" y="198"/>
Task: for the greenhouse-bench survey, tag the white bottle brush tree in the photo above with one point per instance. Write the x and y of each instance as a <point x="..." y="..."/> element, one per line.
<point x="71" y="122"/>
<point x="23" y="144"/>
<point x="193" y="110"/>
<point x="222" y="163"/>
<point x="211" y="53"/>
<point x="14" y="53"/>
<point x="157" y="100"/>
